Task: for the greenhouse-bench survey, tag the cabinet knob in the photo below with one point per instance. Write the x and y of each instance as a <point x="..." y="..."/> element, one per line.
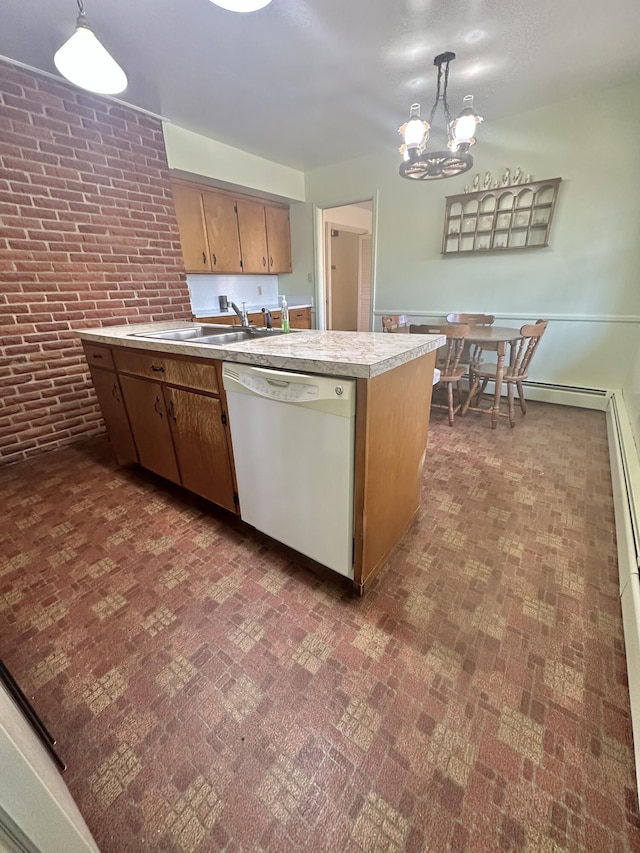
<point x="157" y="368"/>
<point x="204" y="258"/>
<point x="156" y="406"/>
<point x="114" y="393"/>
<point x="270" y="261"/>
<point x="264" y="261"/>
<point x="171" y="411"/>
<point x="215" y="260"/>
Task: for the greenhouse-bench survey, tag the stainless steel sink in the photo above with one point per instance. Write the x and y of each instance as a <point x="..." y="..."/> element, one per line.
<point x="184" y="334"/>
<point x="236" y="337"/>
<point x="216" y="335"/>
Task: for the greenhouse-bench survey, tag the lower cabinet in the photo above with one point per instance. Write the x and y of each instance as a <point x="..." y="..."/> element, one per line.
<point x="200" y="441"/>
<point x="299" y="318"/>
<point x="150" y="425"/>
<point x="180" y="433"/>
<point x="114" y="413"/>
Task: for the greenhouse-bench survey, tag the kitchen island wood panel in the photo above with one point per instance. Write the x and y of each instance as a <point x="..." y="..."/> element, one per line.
<point x="392" y="420"/>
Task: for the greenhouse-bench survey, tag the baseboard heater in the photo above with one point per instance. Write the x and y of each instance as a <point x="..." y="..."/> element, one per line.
<point x="625" y="480"/>
<point x="568" y="395"/>
<point x="577" y="389"/>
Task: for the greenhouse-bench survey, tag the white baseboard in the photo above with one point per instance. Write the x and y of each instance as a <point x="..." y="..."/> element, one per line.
<point x="625" y="477"/>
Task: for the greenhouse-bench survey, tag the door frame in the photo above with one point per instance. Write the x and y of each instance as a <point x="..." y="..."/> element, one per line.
<point x="320" y="249"/>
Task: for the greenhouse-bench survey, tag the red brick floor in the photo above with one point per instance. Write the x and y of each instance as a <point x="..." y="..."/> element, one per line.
<point x="208" y="693"/>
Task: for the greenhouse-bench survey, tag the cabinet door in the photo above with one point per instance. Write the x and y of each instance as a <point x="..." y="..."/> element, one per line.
<point x="195" y="249"/>
<point x="300" y="318"/>
<point x="253" y="236"/>
<point x="278" y="239"/>
<point x="150" y="427"/>
<point x="200" y="441"/>
<point x="114" y="413"/>
<point x="222" y="230"/>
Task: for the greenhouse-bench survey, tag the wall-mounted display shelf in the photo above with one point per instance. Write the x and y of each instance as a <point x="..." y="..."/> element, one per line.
<point x="500" y="219"/>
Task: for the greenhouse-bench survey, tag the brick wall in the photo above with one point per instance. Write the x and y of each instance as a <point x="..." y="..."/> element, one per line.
<point x="88" y="237"/>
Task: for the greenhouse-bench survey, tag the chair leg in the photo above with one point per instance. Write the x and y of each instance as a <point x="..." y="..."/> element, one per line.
<point x="523" y="405"/>
<point x="459" y="407"/>
<point x="450" y="401"/>
<point x="472" y="391"/>
<point x="512" y="407"/>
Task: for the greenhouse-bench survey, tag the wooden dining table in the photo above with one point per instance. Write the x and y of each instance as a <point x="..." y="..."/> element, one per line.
<point x="499" y="336"/>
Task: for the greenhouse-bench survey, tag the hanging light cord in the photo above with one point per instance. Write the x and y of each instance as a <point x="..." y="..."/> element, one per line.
<point x="444" y="91"/>
<point x="80" y="7"/>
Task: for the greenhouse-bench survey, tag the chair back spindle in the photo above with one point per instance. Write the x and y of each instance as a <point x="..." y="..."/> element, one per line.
<point x="522" y="351"/>
<point x="449" y="362"/>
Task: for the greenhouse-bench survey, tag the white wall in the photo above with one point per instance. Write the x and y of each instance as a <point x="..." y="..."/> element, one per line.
<point x="631" y="391"/>
<point x="33" y="795"/>
<point x="350" y="216"/>
<point x="586" y="282"/>
<point x="198" y="155"/>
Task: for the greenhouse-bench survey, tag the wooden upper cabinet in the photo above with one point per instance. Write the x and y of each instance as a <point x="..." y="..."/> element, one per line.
<point x="278" y="238"/>
<point x="253" y="236"/>
<point x="226" y="233"/>
<point x="195" y="248"/>
<point x="222" y="230"/>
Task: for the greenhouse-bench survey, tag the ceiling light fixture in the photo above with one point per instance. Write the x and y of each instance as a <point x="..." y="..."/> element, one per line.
<point x="86" y="63"/>
<point x="242" y="5"/>
<point x="421" y="165"/>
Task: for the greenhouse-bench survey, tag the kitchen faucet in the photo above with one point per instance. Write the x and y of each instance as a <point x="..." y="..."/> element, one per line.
<point x="242" y="313"/>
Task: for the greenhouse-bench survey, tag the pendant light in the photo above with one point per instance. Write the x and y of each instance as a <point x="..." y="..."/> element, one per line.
<point x="422" y="165"/>
<point x="242" y="5"/>
<point x="86" y="63"/>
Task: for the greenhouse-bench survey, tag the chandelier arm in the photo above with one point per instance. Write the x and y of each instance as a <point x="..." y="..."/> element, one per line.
<point x="435" y="104"/>
<point x="444" y="94"/>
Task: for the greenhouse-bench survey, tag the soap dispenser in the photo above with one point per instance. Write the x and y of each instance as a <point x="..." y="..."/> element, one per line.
<point x="285" y="315"/>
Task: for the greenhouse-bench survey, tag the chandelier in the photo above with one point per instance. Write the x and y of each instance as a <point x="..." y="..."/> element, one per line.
<point x="422" y="165"/>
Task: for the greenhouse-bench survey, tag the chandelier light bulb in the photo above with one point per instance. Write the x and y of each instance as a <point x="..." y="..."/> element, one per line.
<point x="415" y="131"/>
<point x="463" y="128"/>
<point x="87" y="64"/>
<point x="242" y="5"/>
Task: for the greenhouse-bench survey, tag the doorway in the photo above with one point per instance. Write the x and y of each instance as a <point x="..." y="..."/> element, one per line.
<point x="347" y="281"/>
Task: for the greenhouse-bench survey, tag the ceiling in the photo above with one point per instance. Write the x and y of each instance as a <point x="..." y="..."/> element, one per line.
<point x="308" y="83"/>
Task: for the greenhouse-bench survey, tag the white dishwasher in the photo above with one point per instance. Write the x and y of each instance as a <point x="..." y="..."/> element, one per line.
<point x="293" y="440"/>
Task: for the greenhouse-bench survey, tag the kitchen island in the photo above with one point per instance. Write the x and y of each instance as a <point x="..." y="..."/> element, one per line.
<point x="165" y="407"/>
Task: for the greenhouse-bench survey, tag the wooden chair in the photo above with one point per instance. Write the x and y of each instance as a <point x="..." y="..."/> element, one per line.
<point x="396" y="323"/>
<point x="472" y="319"/>
<point x="472" y="353"/>
<point x="515" y="372"/>
<point x="451" y="372"/>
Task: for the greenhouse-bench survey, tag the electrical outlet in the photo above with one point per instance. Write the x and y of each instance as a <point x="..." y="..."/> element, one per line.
<point x="310" y="277"/>
<point x="259" y="290"/>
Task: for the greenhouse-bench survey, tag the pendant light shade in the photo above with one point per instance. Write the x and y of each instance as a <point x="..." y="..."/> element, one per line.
<point x="86" y="63"/>
<point x="242" y="5"/>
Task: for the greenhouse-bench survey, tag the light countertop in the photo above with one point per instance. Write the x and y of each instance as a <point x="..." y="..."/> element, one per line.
<point x="349" y="354"/>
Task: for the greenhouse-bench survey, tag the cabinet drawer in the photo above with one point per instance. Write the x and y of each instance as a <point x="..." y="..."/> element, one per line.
<point x="300" y="318"/>
<point x="200" y="375"/>
<point x="97" y="355"/>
